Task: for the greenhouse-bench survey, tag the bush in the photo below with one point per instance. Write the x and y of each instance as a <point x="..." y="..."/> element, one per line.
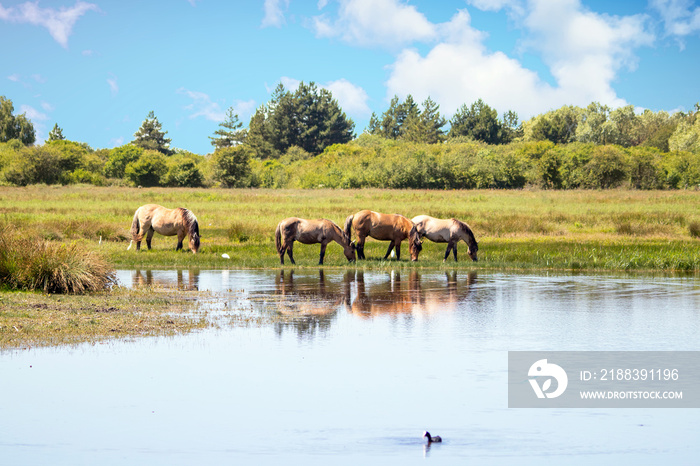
<point x="119" y="158"/>
<point x="49" y="267"/>
<point x="606" y="168"/>
<point x="184" y="173"/>
<point x="149" y="170"/>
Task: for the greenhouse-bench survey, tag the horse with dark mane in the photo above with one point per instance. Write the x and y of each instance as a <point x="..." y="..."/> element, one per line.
<point x="449" y="231"/>
<point x="310" y="232"/>
<point x="152" y="218"/>
<point x="384" y="227"/>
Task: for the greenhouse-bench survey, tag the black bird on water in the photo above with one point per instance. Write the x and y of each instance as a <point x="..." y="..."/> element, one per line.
<point x="430" y="438"/>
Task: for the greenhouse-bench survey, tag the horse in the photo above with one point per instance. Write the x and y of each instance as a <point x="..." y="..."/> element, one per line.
<point x="310" y="232"/>
<point x="384" y="227"/>
<point x="150" y="218"/>
<point x="448" y="231"/>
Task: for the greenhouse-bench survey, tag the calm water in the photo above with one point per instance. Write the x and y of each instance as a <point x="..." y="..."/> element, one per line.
<point x="368" y="362"/>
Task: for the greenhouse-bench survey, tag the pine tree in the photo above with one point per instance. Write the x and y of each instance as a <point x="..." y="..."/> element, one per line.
<point x="56" y="134"/>
<point x="230" y="133"/>
<point x="151" y="136"/>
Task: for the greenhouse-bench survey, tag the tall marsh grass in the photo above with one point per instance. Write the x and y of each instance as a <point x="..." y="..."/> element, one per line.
<point x="36" y="264"/>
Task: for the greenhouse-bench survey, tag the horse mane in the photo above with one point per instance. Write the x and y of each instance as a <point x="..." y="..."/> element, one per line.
<point x="468" y="231"/>
<point x="190" y="221"/>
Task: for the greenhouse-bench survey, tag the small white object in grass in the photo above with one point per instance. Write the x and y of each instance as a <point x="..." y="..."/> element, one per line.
<point x="100" y="240"/>
<point x="130" y="245"/>
<point x="393" y="253"/>
<point x="225" y="256"/>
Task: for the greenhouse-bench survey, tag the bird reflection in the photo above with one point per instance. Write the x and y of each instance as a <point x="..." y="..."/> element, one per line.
<point x="166" y="278"/>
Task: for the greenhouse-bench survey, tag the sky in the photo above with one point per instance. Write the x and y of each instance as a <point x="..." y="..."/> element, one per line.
<point x="96" y="68"/>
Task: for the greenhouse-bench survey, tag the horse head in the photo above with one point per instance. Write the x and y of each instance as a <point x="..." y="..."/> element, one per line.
<point x="415" y="245"/>
<point x="194" y="242"/>
<point x="473" y="248"/>
<point x="349" y="251"/>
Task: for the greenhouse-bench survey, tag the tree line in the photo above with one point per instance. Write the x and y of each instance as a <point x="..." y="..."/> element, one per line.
<point x="302" y="138"/>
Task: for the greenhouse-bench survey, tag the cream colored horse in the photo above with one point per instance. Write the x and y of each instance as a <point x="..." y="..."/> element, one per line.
<point x="310" y="232"/>
<point x="448" y="231"/>
<point x="384" y="227"/>
<point x="152" y="218"/>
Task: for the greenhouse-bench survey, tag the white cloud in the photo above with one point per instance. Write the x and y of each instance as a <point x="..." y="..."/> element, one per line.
<point x="32" y="113"/>
<point x="274" y="13"/>
<point x="495" y="5"/>
<point x="47" y="106"/>
<point x="584" y="52"/>
<point x="59" y="23"/>
<point x="351" y="98"/>
<point x="118" y="141"/>
<point x="389" y="23"/>
<point x="15" y="78"/>
<point x="680" y="19"/>
<point x="244" y="108"/>
<point x="202" y="106"/>
<point x="113" y="85"/>
<point x="289" y="83"/>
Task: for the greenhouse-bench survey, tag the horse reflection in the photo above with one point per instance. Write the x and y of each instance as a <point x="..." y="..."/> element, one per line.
<point x="314" y="302"/>
<point x="166" y="279"/>
<point x="309" y="303"/>
<point x="409" y="296"/>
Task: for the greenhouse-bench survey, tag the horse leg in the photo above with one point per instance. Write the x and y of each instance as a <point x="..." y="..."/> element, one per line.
<point x="388" y="251"/>
<point x="361" y="247"/>
<point x="290" y="253"/>
<point x="323" y="253"/>
<point x="180" y="238"/>
<point x="281" y="253"/>
<point x="454" y="251"/>
<point x="450" y="245"/>
<point x="149" y="237"/>
<point x="398" y="250"/>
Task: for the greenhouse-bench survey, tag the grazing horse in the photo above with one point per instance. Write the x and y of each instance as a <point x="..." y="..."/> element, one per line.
<point x="310" y="232"/>
<point x="448" y="231"/>
<point x="384" y="227"/>
<point x="150" y="218"/>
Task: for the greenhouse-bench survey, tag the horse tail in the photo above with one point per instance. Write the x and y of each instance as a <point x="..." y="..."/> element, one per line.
<point x="348" y="226"/>
<point x="135" y="224"/>
<point x="278" y="238"/>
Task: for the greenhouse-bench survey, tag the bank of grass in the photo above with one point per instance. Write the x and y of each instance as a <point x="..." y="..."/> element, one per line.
<point x="30" y="319"/>
<point x="516" y="229"/>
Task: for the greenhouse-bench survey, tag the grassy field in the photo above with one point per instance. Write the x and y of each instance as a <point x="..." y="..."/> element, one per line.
<point x="516" y="229"/>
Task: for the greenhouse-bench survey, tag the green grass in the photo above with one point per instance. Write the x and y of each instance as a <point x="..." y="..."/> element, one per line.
<point x="524" y="229"/>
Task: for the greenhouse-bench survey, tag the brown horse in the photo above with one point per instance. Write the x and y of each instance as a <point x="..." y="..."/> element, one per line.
<point x="448" y="231"/>
<point x="150" y="218"/>
<point x="384" y="227"/>
<point x="310" y="232"/>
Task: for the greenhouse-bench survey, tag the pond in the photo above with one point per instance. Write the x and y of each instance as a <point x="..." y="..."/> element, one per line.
<point x="364" y="363"/>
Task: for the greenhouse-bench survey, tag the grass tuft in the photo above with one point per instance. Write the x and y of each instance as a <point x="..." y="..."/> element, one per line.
<point x="694" y="229"/>
<point x="51" y="267"/>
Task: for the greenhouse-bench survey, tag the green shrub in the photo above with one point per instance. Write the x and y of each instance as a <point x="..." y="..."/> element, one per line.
<point x="232" y="166"/>
<point x="149" y="170"/>
<point x="119" y="158"/>
<point x="51" y="267"/>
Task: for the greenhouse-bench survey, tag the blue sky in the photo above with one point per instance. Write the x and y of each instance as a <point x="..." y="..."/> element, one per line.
<point x="98" y="67"/>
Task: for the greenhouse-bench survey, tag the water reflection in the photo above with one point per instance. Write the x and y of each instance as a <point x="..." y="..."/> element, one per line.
<point x="410" y="295"/>
<point x="182" y="279"/>
<point x="315" y="300"/>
